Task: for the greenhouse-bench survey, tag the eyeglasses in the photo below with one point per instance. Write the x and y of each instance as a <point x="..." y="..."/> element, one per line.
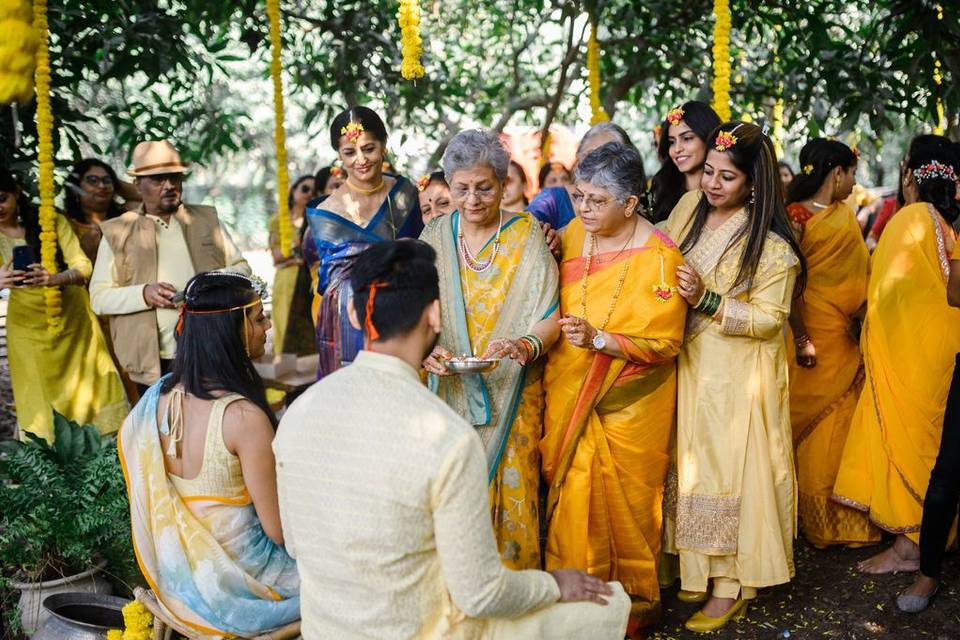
<point x="96" y="181"/>
<point x="590" y="202"/>
<point x="175" y="179"/>
<point x="486" y="194"/>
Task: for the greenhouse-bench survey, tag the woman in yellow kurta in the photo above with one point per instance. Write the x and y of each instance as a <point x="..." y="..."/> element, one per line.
<point x="611" y="384"/>
<point x="736" y="487"/>
<point x="909" y="342"/>
<point x="498" y="299"/>
<point x="826" y="374"/>
<point x="71" y="372"/>
<point x="288" y="267"/>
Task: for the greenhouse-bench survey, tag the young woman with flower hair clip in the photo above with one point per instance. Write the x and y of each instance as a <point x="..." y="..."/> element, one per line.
<point x="826" y="372"/>
<point x="735" y="488"/>
<point x="909" y="346"/>
<point x="370" y="206"/>
<point x="682" y="150"/>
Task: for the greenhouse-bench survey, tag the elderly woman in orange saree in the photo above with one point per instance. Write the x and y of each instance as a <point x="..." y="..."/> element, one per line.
<point x="611" y="383"/>
<point x="826" y="374"/>
<point x="909" y="342"/>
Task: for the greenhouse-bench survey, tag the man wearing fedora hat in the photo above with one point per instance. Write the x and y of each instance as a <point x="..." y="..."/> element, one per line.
<point x="146" y="256"/>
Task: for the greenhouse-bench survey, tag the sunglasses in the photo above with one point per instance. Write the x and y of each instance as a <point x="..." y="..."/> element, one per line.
<point x="96" y="181"/>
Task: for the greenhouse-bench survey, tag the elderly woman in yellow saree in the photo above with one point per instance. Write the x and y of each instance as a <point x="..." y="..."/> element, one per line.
<point x="611" y="383"/>
<point x="826" y="374"/>
<point x="736" y="489"/>
<point x="498" y="298"/>
<point x="909" y="342"/>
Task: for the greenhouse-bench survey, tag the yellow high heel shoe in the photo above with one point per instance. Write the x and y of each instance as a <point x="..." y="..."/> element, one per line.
<point x="700" y="623"/>
<point x="692" y="596"/>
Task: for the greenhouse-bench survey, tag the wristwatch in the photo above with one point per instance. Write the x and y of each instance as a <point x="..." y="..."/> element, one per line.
<point x="599" y="342"/>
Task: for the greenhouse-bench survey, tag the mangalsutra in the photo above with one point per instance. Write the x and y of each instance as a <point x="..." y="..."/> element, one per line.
<point x="583" y="285"/>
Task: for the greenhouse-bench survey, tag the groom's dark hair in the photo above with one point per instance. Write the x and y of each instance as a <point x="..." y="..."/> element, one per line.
<point x="401" y="278"/>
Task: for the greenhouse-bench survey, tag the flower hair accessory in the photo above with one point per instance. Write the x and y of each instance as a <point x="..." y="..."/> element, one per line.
<point x="934" y="169"/>
<point x="808" y="169"/>
<point x="352" y="131"/>
<point x="423" y="183"/>
<point x="336" y="172"/>
<point x="675" y="115"/>
<point x="725" y="140"/>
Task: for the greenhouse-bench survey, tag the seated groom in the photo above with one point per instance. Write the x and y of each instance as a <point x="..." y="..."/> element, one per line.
<point x="383" y="492"/>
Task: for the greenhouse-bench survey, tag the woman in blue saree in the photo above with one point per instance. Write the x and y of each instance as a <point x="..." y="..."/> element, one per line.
<point x="370" y="206"/>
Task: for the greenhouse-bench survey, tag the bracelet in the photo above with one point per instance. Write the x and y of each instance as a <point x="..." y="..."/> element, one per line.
<point x="702" y="296"/>
<point x="802" y="341"/>
<point x="534" y="344"/>
<point x="709" y="303"/>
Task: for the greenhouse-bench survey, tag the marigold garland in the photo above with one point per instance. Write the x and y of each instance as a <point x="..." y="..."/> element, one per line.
<point x="777" y="128"/>
<point x="408" y="15"/>
<point x="285" y="226"/>
<point x="597" y="112"/>
<point x="18" y="51"/>
<point x="721" y="59"/>
<point x="52" y="298"/>
<point x="938" y="80"/>
<point x="137" y="622"/>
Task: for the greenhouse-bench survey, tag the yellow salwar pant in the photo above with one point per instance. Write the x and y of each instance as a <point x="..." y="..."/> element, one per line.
<point x="823" y="398"/>
<point x="609" y="422"/>
<point x="909" y="342"/>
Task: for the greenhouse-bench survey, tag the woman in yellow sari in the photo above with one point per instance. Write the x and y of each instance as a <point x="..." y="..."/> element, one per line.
<point x="288" y="267"/>
<point x="611" y="384"/>
<point x="498" y="299"/>
<point x="909" y="342"/>
<point x="71" y="372"/>
<point x="736" y="489"/>
<point x="826" y="374"/>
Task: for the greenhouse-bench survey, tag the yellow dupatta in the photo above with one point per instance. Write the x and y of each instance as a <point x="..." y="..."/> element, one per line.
<point x="823" y="399"/>
<point x="909" y="343"/>
<point x="608" y="421"/>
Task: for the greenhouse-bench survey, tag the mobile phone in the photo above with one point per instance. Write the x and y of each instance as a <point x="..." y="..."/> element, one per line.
<point x="23" y="257"/>
<point x="179" y="297"/>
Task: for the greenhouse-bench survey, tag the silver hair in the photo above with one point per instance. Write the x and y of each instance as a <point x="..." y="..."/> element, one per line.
<point x="616" y="167"/>
<point x="615" y="130"/>
<point x="474" y="147"/>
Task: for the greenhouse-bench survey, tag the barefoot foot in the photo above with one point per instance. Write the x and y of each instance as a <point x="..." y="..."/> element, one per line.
<point x="902" y="555"/>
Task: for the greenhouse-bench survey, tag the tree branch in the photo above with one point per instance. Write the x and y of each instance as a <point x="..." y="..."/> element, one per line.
<point x="573" y="51"/>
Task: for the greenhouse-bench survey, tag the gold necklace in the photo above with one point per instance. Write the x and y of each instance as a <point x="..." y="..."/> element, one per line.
<point x="366" y="192"/>
<point x="583" y="285"/>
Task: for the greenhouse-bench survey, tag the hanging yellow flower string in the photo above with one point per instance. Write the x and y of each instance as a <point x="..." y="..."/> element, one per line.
<point x="597" y="112"/>
<point x="721" y="59"/>
<point x="938" y="80"/>
<point x="411" y="43"/>
<point x="17" y="51"/>
<point x="279" y="135"/>
<point x="777" y="115"/>
<point x="48" y="215"/>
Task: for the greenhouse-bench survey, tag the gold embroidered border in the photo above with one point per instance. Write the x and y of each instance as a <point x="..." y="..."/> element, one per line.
<point x="708" y="523"/>
<point x="736" y="317"/>
<point x="855" y="387"/>
<point x="853" y="504"/>
<point x="941" y="245"/>
<point x="670" y="488"/>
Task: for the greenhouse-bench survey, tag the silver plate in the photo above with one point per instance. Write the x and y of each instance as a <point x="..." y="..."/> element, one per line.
<point x="471" y="365"/>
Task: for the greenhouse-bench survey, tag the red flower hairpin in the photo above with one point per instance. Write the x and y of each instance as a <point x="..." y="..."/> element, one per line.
<point x="352" y="131"/>
<point x="725" y="140"/>
<point x="675" y="115"/>
<point x="423" y="183"/>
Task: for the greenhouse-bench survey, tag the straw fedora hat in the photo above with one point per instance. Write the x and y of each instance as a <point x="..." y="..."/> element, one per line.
<point x="155" y="157"/>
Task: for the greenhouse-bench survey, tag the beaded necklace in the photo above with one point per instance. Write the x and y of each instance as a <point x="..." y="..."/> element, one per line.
<point x="583" y="284"/>
<point x="468" y="258"/>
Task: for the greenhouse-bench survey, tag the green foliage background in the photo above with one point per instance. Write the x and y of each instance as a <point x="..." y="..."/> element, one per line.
<point x="196" y="73"/>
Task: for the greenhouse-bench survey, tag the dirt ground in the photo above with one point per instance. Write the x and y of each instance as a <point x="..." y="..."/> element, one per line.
<point x="830" y="599"/>
<point x="827" y="599"/>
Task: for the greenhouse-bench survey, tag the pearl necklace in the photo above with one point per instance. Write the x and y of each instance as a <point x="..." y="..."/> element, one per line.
<point x="468" y="258"/>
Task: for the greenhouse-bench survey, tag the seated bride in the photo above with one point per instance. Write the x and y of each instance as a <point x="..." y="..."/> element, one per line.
<point x="196" y="453"/>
